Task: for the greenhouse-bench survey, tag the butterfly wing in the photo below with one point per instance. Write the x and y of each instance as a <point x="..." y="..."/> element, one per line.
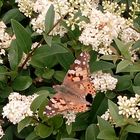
<point x="77" y="76"/>
<point x="63" y="102"/>
<point x="76" y="85"/>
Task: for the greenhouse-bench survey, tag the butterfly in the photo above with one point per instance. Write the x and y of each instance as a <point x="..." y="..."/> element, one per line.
<point x="70" y="95"/>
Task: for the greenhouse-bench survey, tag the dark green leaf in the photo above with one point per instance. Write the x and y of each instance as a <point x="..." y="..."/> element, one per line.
<point x="3" y="72"/>
<point x="13" y="14"/>
<point x="65" y="60"/>
<point x="23" y="38"/>
<point x="49" y="19"/>
<point x="99" y="106"/>
<point x="101" y="65"/>
<point x="137" y="80"/>
<point x="15" y="55"/>
<point x="48" y="74"/>
<point x="21" y="83"/>
<point x="39" y="100"/>
<point x="122" y="65"/>
<point x="68" y="139"/>
<point x="24" y="123"/>
<point x="43" y="130"/>
<point x="91" y="132"/>
<point x="45" y="55"/>
<point x="124" y="82"/>
<point x="8" y="134"/>
<point x="59" y="75"/>
<point x="136" y="89"/>
<point x="32" y="136"/>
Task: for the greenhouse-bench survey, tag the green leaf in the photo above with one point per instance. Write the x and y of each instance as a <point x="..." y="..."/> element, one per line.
<point x="13" y="14"/>
<point x="14" y="55"/>
<point x="137" y="80"/>
<point x="48" y="39"/>
<point x="32" y="136"/>
<point x="59" y="75"/>
<point x="91" y="132"/>
<point x="45" y="55"/>
<point x="23" y="38"/>
<point x="56" y="121"/>
<point x="39" y="100"/>
<point x="99" y="106"/>
<point x="68" y="139"/>
<point x="136" y="45"/>
<point x="114" y="58"/>
<point x="24" y="123"/>
<point x="122" y="65"/>
<point x="43" y="131"/>
<point x="107" y="132"/>
<point x="124" y="82"/>
<point x="101" y="65"/>
<point x="123" y="49"/>
<point x="22" y="83"/>
<point x="107" y="135"/>
<point x="136" y="89"/>
<point x="49" y="19"/>
<point x="114" y="114"/>
<point x="48" y="74"/>
<point x="69" y="128"/>
<point x="3" y="72"/>
<point x="8" y="134"/>
<point x="81" y="122"/>
<point x="133" y="128"/>
<point x="65" y="59"/>
<point x="132" y="68"/>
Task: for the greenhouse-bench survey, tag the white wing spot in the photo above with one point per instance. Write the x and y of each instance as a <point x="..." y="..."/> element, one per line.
<point x="71" y="71"/>
<point x="84" y="63"/>
<point x="81" y="54"/>
<point x="77" y="62"/>
<point x="48" y="107"/>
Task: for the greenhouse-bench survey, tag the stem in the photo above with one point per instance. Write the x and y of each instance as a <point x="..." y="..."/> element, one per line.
<point x="123" y="133"/>
<point x="30" y="54"/>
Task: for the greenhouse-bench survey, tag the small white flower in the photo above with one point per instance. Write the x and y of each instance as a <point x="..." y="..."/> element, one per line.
<point x="70" y="116"/>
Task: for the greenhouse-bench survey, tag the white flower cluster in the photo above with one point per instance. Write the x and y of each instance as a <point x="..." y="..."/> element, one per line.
<point x="5" y="38"/>
<point x="129" y="107"/>
<point x="61" y="7"/>
<point x="103" y="81"/>
<point x="129" y="35"/>
<point x="1" y="132"/>
<point x="103" y="28"/>
<point x="70" y="116"/>
<point x="25" y="6"/>
<point x="18" y="107"/>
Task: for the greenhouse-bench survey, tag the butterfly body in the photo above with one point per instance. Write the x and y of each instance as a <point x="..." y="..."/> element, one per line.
<point x="70" y="95"/>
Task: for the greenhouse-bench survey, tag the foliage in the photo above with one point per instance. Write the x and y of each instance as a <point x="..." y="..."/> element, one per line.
<point x="32" y="70"/>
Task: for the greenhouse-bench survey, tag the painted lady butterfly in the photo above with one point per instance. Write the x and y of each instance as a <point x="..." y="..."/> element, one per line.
<point x="70" y="96"/>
